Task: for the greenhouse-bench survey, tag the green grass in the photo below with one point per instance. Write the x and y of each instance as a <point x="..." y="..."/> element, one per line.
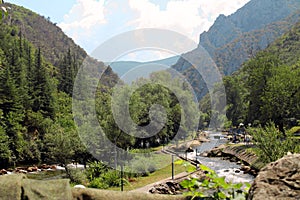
<point x="47" y="175"/>
<point x="158" y="175"/>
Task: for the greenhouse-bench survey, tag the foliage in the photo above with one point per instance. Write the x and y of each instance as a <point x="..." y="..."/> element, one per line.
<point x="267" y="87"/>
<point x="213" y="186"/>
<point x="96" y="169"/>
<point x="77" y="176"/>
<point x="270" y="143"/>
<point x="5" y="152"/>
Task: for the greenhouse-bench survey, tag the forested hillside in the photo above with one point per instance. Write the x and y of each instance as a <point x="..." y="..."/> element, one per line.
<point x="38" y="66"/>
<point x="54" y="44"/>
<point x="234" y="39"/>
<point x="37" y="123"/>
<point x="267" y="88"/>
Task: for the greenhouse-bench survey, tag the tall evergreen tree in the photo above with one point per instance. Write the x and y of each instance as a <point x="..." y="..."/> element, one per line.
<point x="43" y="99"/>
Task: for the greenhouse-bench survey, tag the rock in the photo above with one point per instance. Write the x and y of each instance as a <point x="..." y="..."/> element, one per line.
<point x="3" y="172"/>
<point x="53" y="167"/>
<point x="205" y="154"/>
<point x="44" y="166"/>
<point x="32" y="169"/>
<point x="22" y="171"/>
<point x="237" y="171"/>
<point x="168" y="187"/>
<point x="226" y="170"/>
<point x="246" y="169"/>
<point x="79" y="186"/>
<point x="278" y="180"/>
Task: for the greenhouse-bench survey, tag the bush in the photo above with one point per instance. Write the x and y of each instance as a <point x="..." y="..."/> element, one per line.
<point x="270" y="143"/>
<point x="112" y="178"/>
<point x="77" y="176"/>
<point x="96" y="169"/>
<point x="98" y="183"/>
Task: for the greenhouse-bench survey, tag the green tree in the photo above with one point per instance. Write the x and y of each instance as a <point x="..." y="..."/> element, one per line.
<point x="43" y="97"/>
<point x="5" y="152"/>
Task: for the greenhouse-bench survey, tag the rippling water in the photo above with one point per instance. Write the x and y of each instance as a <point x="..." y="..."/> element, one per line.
<point x="230" y="170"/>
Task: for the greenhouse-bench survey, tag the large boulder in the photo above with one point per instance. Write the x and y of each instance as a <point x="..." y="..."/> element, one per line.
<point x="278" y="180"/>
<point x="19" y="187"/>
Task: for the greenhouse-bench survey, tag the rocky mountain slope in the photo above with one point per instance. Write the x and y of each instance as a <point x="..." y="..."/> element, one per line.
<point x="234" y="39"/>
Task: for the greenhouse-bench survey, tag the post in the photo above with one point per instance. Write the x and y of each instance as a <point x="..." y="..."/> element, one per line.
<point x="172" y="167"/>
<point x="122" y="187"/>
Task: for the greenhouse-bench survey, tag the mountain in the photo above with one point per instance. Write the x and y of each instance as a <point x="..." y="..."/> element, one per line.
<point x="267" y="88"/>
<point x="122" y="67"/>
<point x="234" y="39"/>
<point x="52" y="41"/>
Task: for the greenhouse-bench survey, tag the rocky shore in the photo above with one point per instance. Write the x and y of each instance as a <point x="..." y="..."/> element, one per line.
<point x="237" y="153"/>
<point x="30" y="169"/>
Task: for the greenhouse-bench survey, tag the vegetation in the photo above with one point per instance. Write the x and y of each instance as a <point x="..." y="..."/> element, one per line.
<point x="270" y="145"/>
<point x="213" y="186"/>
<point x="266" y="89"/>
<point x="37" y="123"/>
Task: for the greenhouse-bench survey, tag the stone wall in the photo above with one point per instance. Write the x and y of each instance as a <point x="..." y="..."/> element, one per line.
<point x="278" y="180"/>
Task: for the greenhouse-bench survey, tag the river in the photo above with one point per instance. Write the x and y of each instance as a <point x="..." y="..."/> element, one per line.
<point x="230" y="170"/>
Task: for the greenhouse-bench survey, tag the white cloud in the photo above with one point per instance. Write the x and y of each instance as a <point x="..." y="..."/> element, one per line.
<point x="84" y="16"/>
<point x="189" y="17"/>
<point x="91" y="22"/>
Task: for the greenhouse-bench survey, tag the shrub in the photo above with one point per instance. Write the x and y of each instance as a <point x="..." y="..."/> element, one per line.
<point x="98" y="183"/>
<point x="96" y="169"/>
<point x="77" y="176"/>
<point x="112" y="178"/>
<point x="270" y="143"/>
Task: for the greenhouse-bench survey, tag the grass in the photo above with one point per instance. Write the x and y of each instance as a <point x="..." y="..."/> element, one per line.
<point x="46" y="175"/>
<point x="158" y="175"/>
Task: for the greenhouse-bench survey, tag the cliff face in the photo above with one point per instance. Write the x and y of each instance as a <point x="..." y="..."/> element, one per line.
<point x="234" y="39"/>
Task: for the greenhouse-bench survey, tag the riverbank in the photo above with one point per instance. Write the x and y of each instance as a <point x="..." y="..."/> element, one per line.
<point x="239" y="153"/>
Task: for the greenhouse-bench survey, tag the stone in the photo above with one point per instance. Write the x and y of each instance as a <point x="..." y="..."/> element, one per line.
<point x="79" y="186"/>
<point x="278" y="180"/>
<point x="32" y="169"/>
<point x="53" y="167"/>
<point x="3" y="172"/>
<point x="245" y="168"/>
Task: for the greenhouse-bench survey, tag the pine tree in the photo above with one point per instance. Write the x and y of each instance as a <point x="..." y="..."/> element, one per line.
<point x="42" y="98"/>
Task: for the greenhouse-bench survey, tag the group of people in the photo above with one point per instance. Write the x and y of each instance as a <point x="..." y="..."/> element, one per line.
<point x="237" y="135"/>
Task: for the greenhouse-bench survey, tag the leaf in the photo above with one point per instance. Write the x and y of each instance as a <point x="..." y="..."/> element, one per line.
<point x="248" y="184"/>
<point x="238" y="186"/>
<point x="188" y="184"/>
<point x="205" y="183"/>
<point x="221" y="195"/>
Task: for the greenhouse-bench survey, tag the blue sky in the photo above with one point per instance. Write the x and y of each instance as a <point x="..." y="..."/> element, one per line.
<point x="91" y="22"/>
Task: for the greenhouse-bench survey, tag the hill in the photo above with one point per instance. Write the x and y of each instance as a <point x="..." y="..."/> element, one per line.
<point x="267" y="88"/>
<point x="122" y="67"/>
<point x="234" y="39"/>
<point x="43" y="34"/>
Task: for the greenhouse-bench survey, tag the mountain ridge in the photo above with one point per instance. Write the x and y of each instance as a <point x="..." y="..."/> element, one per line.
<point x="50" y="38"/>
<point x="233" y="39"/>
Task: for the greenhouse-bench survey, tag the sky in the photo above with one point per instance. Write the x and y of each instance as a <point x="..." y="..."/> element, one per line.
<point x="91" y="22"/>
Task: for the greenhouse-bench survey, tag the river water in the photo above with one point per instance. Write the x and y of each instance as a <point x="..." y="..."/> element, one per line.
<point x="230" y="170"/>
